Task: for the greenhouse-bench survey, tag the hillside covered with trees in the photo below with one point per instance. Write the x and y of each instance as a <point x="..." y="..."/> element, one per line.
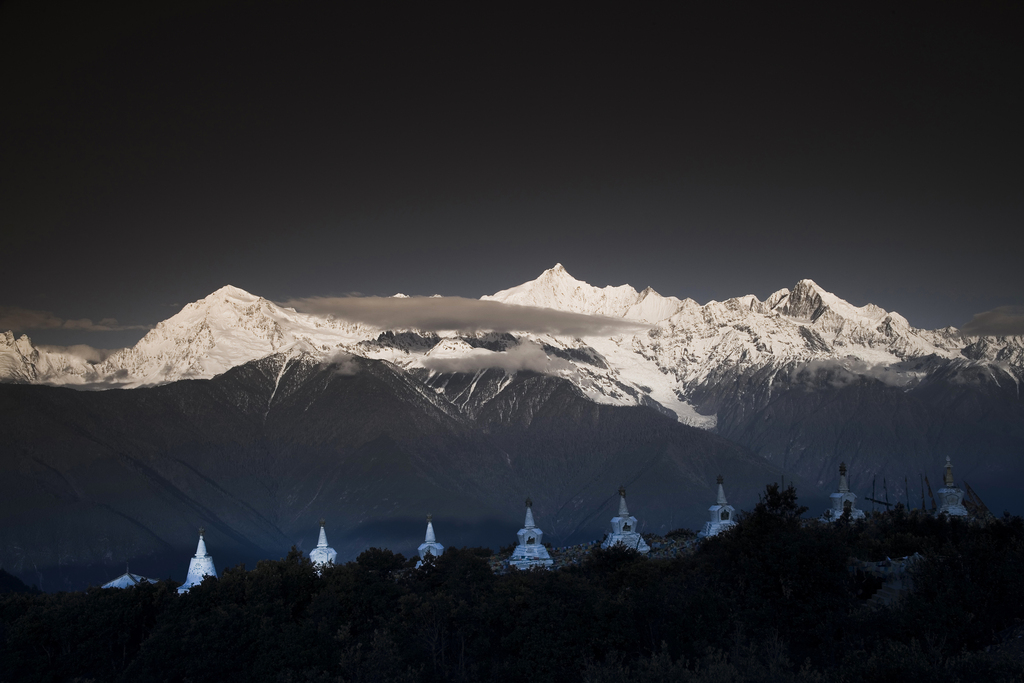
<point x="772" y="600"/>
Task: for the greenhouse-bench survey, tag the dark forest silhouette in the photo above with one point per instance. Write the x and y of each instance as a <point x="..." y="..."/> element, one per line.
<point x="771" y="600"/>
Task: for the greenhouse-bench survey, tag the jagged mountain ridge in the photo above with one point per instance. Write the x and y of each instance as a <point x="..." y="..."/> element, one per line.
<point x="21" y="362"/>
<point x="688" y="348"/>
<point x="722" y="366"/>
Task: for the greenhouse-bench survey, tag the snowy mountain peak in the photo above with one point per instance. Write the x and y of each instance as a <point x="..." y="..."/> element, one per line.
<point x="225" y="329"/>
<point x="805" y="301"/>
<point x="811" y="290"/>
<point x="232" y="292"/>
<point x="808" y="283"/>
<point x="557" y="277"/>
<point x="775" y="299"/>
<point x="808" y="302"/>
<point x="556" y="288"/>
<point x="9" y="341"/>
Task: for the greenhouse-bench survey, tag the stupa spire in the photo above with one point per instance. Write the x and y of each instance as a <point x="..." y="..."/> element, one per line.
<point x="323" y="554"/>
<point x="721" y="514"/>
<point x="844" y="487"/>
<point x="322" y="541"/>
<point x="430" y="546"/>
<point x="528" y="524"/>
<point x="951" y="496"/>
<point x="721" y="491"/>
<point x="201" y="548"/>
<point x="623" y="510"/>
<point x="200" y="566"/>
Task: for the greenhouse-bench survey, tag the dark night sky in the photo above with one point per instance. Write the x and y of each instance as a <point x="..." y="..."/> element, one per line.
<point x="151" y="156"/>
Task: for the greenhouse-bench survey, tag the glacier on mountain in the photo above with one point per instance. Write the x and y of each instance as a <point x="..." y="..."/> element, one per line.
<point x="686" y="349"/>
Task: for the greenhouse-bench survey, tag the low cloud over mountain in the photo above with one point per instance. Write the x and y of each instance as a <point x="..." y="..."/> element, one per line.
<point x="89" y="354"/>
<point x="464" y="315"/>
<point x="526" y="356"/>
<point x="838" y="373"/>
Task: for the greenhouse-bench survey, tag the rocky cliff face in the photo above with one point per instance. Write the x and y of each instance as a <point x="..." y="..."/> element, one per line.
<point x="21" y="362"/>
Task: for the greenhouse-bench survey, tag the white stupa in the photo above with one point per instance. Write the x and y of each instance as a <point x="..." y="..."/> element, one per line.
<point x="722" y="514"/>
<point x="530" y="552"/>
<point x="323" y="555"/>
<point x="199" y="567"/>
<point x="624" y="531"/>
<point x="950" y="495"/>
<point x="430" y="546"/>
<point x="128" y="580"/>
<point x="842" y="500"/>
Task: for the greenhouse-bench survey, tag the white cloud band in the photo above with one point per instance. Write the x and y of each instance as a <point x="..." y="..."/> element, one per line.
<point x="463" y="315"/>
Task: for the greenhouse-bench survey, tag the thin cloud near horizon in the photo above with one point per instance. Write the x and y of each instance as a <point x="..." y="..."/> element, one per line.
<point x="1003" y="321"/>
<point x="462" y="314"/>
<point x="19" y="319"/>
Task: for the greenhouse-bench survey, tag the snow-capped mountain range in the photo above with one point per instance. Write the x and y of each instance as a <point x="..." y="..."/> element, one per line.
<point x="682" y="350"/>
